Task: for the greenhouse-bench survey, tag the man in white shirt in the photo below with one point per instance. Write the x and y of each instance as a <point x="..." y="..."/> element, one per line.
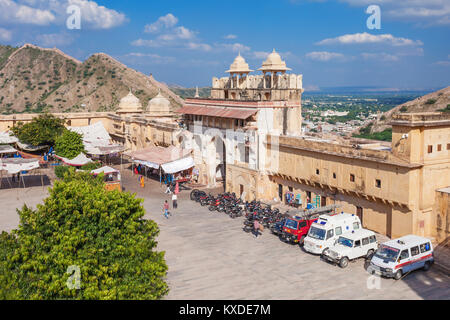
<point x="174" y="201"/>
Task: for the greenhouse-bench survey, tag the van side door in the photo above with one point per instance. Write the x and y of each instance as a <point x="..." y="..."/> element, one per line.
<point x="404" y="261"/>
<point x="416" y="258"/>
<point x="357" y="249"/>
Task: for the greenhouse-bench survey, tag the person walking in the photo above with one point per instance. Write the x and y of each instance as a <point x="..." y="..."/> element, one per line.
<point x="256" y="228"/>
<point x="174" y="200"/>
<point x="166" y="209"/>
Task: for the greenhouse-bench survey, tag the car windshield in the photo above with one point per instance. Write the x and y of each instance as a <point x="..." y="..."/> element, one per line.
<point x="387" y="253"/>
<point x="316" y="233"/>
<point x="291" y="224"/>
<point x="345" y="242"/>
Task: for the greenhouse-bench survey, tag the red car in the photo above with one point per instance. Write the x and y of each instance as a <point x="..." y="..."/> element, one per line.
<point x="295" y="229"/>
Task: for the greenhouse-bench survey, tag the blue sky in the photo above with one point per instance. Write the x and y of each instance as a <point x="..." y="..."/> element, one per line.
<point x="189" y="42"/>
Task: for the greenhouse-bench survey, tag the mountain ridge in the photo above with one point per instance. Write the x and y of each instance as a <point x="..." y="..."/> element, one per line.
<point x="35" y="79"/>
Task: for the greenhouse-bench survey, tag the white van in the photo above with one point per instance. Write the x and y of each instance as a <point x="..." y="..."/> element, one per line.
<point x="397" y="257"/>
<point x="327" y="230"/>
<point x="357" y="244"/>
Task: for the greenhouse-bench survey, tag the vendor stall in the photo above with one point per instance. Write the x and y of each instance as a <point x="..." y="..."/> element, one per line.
<point x="112" y="177"/>
<point x="11" y="167"/>
<point x="172" y="162"/>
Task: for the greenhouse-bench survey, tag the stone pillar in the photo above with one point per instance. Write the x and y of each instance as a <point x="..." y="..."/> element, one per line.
<point x="271" y="80"/>
<point x="264" y="80"/>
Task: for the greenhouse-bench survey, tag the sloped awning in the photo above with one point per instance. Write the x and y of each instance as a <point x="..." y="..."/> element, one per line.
<point x="78" y="161"/>
<point x="159" y="155"/>
<point x="16" y="165"/>
<point x="178" y="165"/>
<point x="233" y="113"/>
<point x="6" y="138"/>
<point x="7" y="149"/>
<point x="105" y="170"/>
<point x="97" y="140"/>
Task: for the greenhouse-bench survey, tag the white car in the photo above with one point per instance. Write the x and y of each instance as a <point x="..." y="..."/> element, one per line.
<point x="397" y="257"/>
<point x="357" y="244"/>
<point x="324" y="233"/>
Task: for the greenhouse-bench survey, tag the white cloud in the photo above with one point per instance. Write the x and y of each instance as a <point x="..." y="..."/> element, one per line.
<point x="54" y="40"/>
<point x="164" y="22"/>
<point x="97" y="17"/>
<point x="260" y="54"/>
<point x="198" y="46"/>
<point x="443" y="63"/>
<point x="230" y="36"/>
<point x="5" y="35"/>
<point x="148" y="58"/>
<point x="47" y="12"/>
<point x="324" y="56"/>
<point x="386" y="57"/>
<point x="430" y="12"/>
<point x="234" y="47"/>
<point x="13" y="12"/>
<point x="365" y="38"/>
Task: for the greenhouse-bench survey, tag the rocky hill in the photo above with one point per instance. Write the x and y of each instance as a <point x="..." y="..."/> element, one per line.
<point x="34" y="79"/>
<point x="438" y="101"/>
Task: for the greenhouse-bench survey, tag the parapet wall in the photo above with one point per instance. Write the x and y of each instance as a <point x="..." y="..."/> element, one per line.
<point x="284" y="81"/>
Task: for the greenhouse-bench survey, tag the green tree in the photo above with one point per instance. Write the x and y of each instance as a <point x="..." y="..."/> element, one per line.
<point x="42" y="130"/>
<point x="69" y="144"/>
<point x="81" y="224"/>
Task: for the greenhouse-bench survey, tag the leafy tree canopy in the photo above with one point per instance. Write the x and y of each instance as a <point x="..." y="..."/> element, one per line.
<point x="69" y="144"/>
<point x="81" y="224"/>
<point x="42" y="130"/>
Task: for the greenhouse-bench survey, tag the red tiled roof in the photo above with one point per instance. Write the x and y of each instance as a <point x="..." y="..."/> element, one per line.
<point x="217" y="112"/>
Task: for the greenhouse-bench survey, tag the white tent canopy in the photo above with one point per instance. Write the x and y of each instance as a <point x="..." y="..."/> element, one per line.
<point x="78" y="161"/>
<point x="16" y="165"/>
<point x="29" y="147"/>
<point x="178" y="165"/>
<point x="97" y="140"/>
<point x="6" y="138"/>
<point x="147" y="164"/>
<point x="7" y="149"/>
<point x="105" y="170"/>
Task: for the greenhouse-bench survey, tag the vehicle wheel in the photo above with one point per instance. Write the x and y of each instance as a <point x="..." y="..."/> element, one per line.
<point x="323" y="252"/>
<point x="427" y="266"/>
<point x="398" y="275"/>
<point x="193" y="194"/>
<point x="211" y="208"/>
<point x="369" y="254"/>
<point x="301" y="241"/>
<point x="343" y="263"/>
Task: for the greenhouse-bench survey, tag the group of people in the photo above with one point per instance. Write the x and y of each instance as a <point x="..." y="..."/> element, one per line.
<point x="174" y="205"/>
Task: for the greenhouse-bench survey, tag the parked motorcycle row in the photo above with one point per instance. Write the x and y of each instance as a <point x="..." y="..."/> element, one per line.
<point x="227" y="203"/>
<point x="235" y="207"/>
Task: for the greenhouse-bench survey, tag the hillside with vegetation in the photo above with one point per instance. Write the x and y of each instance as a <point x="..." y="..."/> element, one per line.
<point x="190" y="92"/>
<point x="438" y="101"/>
<point x="34" y="80"/>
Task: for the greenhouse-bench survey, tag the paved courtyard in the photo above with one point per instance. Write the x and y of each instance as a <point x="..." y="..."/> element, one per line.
<point x="210" y="257"/>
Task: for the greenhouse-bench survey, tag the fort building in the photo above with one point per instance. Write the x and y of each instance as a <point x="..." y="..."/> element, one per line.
<point x="247" y="138"/>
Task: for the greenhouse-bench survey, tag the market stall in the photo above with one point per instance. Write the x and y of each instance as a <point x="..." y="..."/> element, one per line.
<point x="98" y="143"/>
<point x="172" y="163"/>
<point x="20" y="167"/>
<point x="112" y="177"/>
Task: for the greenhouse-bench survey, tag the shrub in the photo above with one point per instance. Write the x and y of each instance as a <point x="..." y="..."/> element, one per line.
<point x="69" y="144"/>
<point x="430" y="101"/>
<point x="42" y="130"/>
<point x="60" y="171"/>
<point x="102" y="233"/>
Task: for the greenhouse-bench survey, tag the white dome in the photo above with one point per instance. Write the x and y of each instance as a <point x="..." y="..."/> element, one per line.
<point x="159" y="105"/>
<point x="239" y="66"/>
<point x="130" y="104"/>
<point x="274" y="63"/>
